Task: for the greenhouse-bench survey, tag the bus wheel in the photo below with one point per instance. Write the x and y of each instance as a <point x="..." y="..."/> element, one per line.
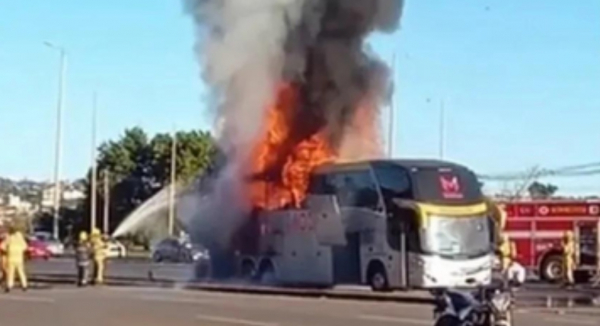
<point x="377" y="278"/>
<point x="552" y="268"/>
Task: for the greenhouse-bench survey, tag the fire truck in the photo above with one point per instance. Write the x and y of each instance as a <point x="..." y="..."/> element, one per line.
<point x="537" y="228"/>
<point x="390" y="224"/>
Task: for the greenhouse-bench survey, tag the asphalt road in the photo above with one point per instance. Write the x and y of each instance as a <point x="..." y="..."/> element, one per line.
<point x="106" y="306"/>
<point x="182" y="273"/>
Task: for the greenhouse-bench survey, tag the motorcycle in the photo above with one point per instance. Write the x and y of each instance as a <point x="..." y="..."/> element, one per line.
<point x="485" y="307"/>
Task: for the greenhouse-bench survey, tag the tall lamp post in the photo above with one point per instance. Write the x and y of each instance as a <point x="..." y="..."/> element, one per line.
<point x="58" y="136"/>
<point x="94" y="190"/>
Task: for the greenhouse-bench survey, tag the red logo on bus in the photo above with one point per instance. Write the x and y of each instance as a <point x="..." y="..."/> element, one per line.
<point x="450" y="187"/>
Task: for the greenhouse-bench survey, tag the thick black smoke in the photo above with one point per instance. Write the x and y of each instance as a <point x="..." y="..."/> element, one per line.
<point x="247" y="48"/>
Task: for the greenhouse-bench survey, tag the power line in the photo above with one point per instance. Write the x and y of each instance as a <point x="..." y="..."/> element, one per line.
<point x="566" y="171"/>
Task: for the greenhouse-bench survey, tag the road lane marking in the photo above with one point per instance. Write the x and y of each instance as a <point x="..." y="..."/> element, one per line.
<point x="233" y="321"/>
<point x="27" y="299"/>
<point x="395" y="320"/>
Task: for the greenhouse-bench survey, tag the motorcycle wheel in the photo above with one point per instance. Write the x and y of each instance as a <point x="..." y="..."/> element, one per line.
<point x="447" y="321"/>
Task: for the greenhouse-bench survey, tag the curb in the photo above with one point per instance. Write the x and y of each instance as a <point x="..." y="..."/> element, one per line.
<point x="241" y="289"/>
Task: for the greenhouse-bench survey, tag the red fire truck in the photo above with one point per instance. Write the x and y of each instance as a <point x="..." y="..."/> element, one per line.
<point x="537" y="227"/>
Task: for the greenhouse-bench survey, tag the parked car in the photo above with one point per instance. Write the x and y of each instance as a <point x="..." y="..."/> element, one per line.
<point x="55" y="246"/>
<point x="115" y="249"/>
<point x="37" y="249"/>
<point x="178" y="251"/>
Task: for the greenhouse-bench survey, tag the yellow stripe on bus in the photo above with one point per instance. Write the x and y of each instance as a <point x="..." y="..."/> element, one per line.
<point x="457" y="211"/>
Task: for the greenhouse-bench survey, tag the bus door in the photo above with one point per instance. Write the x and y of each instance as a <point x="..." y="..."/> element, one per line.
<point x="396" y="237"/>
<point x="409" y="243"/>
<point x="346" y="260"/>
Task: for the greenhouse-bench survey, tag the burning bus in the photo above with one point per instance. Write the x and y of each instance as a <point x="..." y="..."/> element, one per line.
<point x="305" y="196"/>
<point x="387" y="223"/>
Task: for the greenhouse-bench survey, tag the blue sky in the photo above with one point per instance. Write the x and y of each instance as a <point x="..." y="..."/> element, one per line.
<point x="520" y="80"/>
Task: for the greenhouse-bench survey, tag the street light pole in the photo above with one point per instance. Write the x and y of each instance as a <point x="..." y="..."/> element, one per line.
<point x="58" y="136"/>
<point x="442" y="140"/>
<point x="106" y="217"/>
<point x="94" y="190"/>
<point x="171" y="221"/>
<point x="392" y="108"/>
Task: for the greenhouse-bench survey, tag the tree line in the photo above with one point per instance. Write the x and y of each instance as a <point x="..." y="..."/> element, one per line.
<point x="137" y="167"/>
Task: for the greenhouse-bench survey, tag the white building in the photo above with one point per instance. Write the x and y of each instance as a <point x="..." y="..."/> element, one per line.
<point x="48" y="196"/>
<point x="69" y="194"/>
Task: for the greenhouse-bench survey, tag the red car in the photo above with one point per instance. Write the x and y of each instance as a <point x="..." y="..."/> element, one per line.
<point x="37" y="250"/>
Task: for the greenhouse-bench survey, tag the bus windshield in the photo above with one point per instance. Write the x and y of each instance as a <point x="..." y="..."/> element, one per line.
<point x="457" y="236"/>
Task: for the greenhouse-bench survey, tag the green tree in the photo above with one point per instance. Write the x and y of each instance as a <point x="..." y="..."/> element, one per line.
<point x="195" y="152"/>
<point x="540" y="190"/>
<point x="138" y="167"/>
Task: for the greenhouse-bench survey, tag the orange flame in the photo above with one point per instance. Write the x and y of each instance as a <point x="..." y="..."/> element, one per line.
<point x="280" y="170"/>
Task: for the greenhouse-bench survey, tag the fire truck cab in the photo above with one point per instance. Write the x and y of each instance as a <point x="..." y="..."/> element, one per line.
<point x="537" y="228"/>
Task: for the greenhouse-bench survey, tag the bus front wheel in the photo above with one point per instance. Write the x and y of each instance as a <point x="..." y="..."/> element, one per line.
<point x="377" y="277"/>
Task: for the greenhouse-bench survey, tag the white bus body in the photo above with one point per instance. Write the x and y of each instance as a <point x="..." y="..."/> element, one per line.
<point x="324" y="246"/>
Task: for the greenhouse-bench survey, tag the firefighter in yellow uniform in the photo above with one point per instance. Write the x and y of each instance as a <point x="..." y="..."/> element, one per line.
<point x="498" y="217"/>
<point x="508" y="253"/>
<point x="3" y="263"/>
<point x="99" y="255"/>
<point x="569" y="248"/>
<point x="15" y="246"/>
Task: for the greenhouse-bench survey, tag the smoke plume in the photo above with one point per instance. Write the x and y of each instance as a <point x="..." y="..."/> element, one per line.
<point x="250" y="49"/>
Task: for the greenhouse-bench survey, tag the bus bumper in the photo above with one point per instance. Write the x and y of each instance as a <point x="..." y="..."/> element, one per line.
<point x="438" y="272"/>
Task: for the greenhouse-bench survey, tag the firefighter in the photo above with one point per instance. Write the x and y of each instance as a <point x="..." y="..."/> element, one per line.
<point x="82" y="259"/>
<point x="569" y="249"/>
<point x="14" y="245"/>
<point x="507" y="252"/>
<point x="3" y="260"/>
<point x="99" y="255"/>
<point x="498" y="216"/>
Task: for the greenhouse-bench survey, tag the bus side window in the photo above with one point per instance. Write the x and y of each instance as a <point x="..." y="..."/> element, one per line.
<point x="321" y="184"/>
<point x="365" y="194"/>
<point x="393" y="181"/>
<point x="356" y="189"/>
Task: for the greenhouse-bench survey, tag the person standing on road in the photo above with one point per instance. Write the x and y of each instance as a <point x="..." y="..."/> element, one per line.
<point x="82" y="259"/>
<point x="508" y="253"/>
<point x="99" y="254"/>
<point x="569" y="248"/>
<point x="15" y="246"/>
<point x="3" y="260"/>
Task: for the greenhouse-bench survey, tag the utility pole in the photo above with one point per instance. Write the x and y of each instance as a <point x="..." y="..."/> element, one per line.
<point x="94" y="190"/>
<point x="392" y="109"/>
<point x="171" y="221"/>
<point x="105" y="223"/>
<point x="58" y="136"/>
<point x="442" y="140"/>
